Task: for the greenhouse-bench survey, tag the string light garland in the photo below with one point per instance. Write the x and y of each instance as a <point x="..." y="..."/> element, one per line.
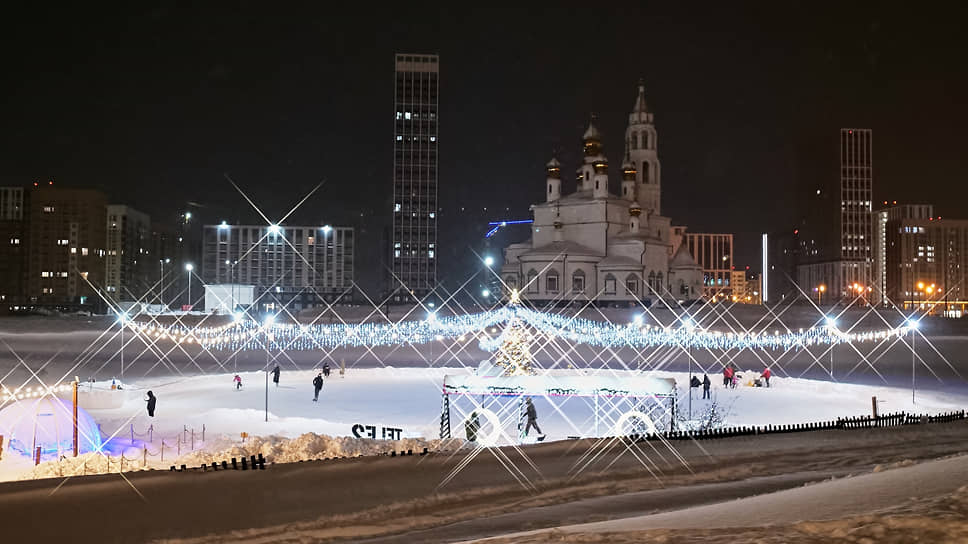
<point x="7" y="394"/>
<point x="250" y="335"/>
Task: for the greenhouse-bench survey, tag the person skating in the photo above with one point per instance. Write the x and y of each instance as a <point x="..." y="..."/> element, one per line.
<point x="238" y="382"/>
<point x="151" y="400"/>
<point x="317" y="385"/>
<point x="532" y="420"/>
<point x="325" y="370"/>
<point x="727" y="376"/>
<point x="275" y="375"/>
<point x="766" y="375"/>
<point x="705" y="386"/>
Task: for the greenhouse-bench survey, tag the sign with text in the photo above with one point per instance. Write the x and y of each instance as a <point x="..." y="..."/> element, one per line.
<point x="369" y="431"/>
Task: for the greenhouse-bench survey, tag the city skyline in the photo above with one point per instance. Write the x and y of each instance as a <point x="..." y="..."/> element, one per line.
<point x="156" y="123"/>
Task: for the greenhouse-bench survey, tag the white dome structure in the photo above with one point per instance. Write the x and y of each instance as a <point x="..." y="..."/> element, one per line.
<point x="47" y="422"/>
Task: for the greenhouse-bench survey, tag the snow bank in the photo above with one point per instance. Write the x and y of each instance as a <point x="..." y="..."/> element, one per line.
<point x="278" y="449"/>
<point x="275" y="449"/>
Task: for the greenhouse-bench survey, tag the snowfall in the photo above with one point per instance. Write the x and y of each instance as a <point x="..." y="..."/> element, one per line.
<point x="202" y="419"/>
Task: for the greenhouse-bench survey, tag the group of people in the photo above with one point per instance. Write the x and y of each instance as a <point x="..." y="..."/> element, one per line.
<point x="152" y="400"/>
<point x="276" y="372"/>
<point x="731" y="378"/>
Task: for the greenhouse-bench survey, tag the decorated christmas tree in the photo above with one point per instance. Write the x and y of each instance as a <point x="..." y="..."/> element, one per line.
<point x="514" y="355"/>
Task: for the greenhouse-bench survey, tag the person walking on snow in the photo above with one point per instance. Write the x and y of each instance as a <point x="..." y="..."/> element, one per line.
<point x="727" y="376"/>
<point x="275" y="375"/>
<point x="317" y="385"/>
<point x="325" y="370"/>
<point x="705" y="386"/>
<point x="532" y="420"/>
<point x="238" y="382"/>
<point x="766" y="375"/>
<point x="151" y="400"/>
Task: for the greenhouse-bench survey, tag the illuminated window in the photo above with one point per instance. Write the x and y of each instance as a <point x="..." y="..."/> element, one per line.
<point x="48" y="209"/>
<point x="15" y="241"/>
<point x="84" y="251"/>
<point x="62" y="242"/>
<point x="396" y="207"/>
<point x="73" y="251"/>
<point x="406" y="115"/>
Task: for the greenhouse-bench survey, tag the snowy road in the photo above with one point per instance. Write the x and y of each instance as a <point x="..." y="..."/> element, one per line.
<point x="402" y="500"/>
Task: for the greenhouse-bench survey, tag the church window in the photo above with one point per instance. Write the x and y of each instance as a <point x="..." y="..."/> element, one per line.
<point x="578" y="282"/>
<point x="532" y="281"/>
<point x="549" y="188"/>
<point x="632" y="285"/>
<point x="596" y="184"/>
<point x="609" y="284"/>
<point x="551" y="282"/>
<point x="645" y="171"/>
<point x="652" y="285"/>
<point x="511" y="281"/>
<point x="660" y="285"/>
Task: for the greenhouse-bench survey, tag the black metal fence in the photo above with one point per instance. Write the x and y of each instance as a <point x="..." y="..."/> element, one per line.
<point x="849" y="423"/>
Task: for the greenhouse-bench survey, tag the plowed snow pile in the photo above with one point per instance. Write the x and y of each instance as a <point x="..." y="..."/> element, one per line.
<point x="276" y="449"/>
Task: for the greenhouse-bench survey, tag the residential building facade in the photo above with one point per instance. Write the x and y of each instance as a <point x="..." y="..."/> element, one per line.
<point x="714" y="254"/>
<point x="295" y="267"/>
<point x="414" y="227"/>
<point x="128" y="258"/>
<point x="66" y="232"/>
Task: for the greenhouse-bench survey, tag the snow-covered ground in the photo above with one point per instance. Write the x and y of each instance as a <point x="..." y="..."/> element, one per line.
<point x="405" y="403"/>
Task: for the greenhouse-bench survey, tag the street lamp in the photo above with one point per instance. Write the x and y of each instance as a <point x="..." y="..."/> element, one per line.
<point x="820" y="290"/>
<point x="913" y="325"/>
<point x="270" y="319"/>
<point x="188" y="268"/>
<point x="123" y="321"/>
<point x="488" y="261"/>
<point x="832" y="325"/>
<point x="689" y="325"/>
<point x="161" y="279"/>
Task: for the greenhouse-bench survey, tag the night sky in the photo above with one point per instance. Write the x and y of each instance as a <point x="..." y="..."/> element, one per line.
<point x="153" y="104"/>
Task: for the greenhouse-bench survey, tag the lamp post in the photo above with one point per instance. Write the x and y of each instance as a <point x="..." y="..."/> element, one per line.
<point x="688" y="323"/>
<point x="123" y="321"/>
<point x="268" y="323"/>
<point x="913" y="325"/>
<point x="820" y="291"/>
<point x="161" y="279"/>
<point x="832" y="325"/>
<point x="188" y="268"/>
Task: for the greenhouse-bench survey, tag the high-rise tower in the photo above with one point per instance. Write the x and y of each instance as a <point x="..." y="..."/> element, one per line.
<point x="641" y="142"/>
<point x="856" y="237"/>
<point x="414" y="262"/>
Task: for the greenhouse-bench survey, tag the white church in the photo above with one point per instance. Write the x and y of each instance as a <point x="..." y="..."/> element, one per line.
<point x="594" y="245"/>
